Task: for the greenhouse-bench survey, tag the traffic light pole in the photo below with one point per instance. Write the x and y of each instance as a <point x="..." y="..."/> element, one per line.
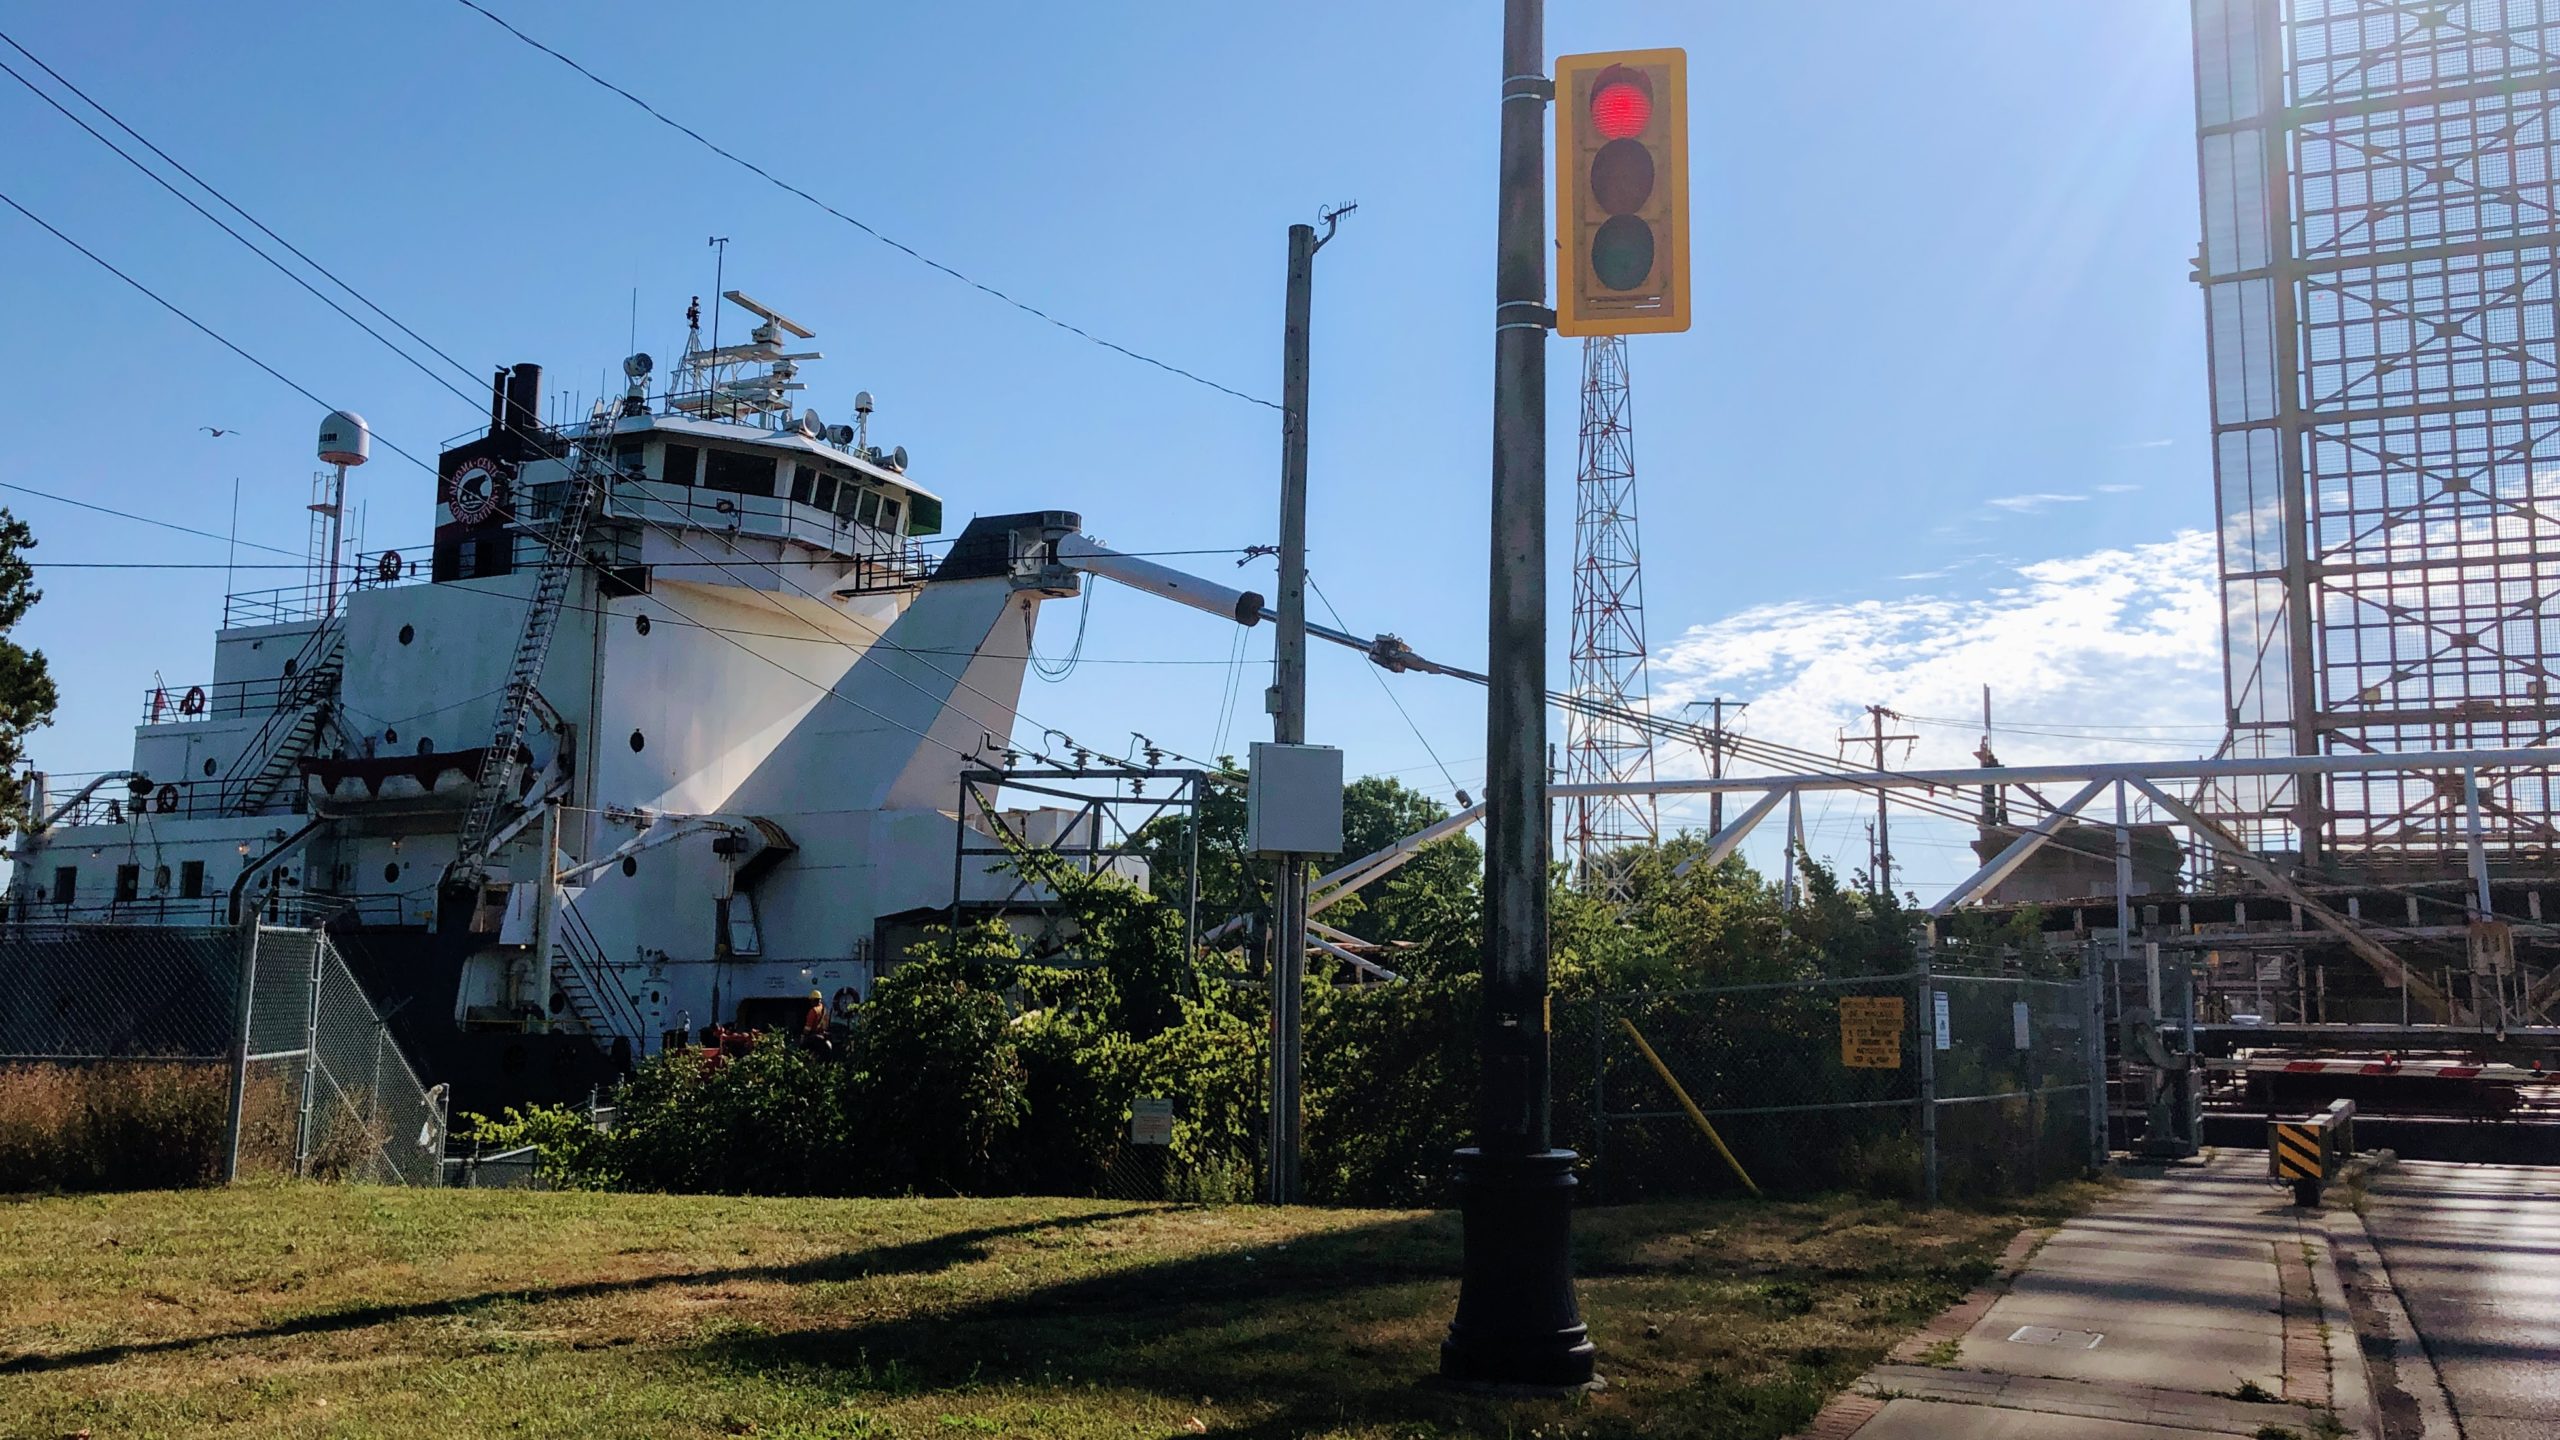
<point x="1517" y="1323"/>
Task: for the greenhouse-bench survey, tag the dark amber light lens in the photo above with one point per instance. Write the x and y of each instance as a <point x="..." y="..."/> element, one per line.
<point x="1622" y="176"/>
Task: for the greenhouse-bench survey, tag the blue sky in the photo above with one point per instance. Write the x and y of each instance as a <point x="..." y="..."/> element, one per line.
<point x="1944" y="338"/>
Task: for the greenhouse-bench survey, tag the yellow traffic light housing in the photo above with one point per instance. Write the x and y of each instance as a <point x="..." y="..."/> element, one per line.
<point x="1622" y="192"/>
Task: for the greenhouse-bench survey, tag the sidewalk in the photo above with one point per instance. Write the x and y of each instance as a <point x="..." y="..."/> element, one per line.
<point x="2149" y="1317"/>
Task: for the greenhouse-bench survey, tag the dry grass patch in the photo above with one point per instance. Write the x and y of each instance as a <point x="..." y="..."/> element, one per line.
<point x="309" y="1310"/>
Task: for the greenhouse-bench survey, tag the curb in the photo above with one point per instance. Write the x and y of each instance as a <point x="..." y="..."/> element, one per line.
<point x="1845" y="1413"/>
<point x="2402" y="1383"/>
<point x="2350" y="1385"/>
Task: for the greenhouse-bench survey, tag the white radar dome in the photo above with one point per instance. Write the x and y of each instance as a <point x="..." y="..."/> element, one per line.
<point x="344" y="440"/>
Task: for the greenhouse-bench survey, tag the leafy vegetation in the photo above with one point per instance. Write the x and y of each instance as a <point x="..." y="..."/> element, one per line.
<point x="986" y="1069"/>
<point x="26" y="684"/>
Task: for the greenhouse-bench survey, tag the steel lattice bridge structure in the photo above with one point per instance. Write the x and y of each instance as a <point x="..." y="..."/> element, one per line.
<point x="2175" y="790"/>
<point x="2378" y="264"/>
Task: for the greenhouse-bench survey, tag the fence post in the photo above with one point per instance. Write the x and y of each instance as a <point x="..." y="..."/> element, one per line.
<point x="302" y="1136"/>
<point x="240" y="1053"/>
<point x="2093" y="1050"/>
<point x="1928" y="1034"/>
<point x="1599" y="1095"/>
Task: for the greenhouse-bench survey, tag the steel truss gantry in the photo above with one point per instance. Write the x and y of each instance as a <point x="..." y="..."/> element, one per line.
<point x="2173" y="787"/>
<point x="2378" y="264"/>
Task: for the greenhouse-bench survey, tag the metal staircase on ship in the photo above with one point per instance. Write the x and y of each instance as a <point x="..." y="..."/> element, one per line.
<point x="590" y="468"/>
<point x="305" y="704"/>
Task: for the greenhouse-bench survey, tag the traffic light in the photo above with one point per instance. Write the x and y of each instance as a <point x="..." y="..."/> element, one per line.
<point x="1622" y="192"/>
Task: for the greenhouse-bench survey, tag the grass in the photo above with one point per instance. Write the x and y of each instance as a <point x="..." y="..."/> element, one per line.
<point x="309" y="1310"/>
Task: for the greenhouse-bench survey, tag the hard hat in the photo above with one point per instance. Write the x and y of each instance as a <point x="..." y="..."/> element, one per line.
<point x="818" y="995"/>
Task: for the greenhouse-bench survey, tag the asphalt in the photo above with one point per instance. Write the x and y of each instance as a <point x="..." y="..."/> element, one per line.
<point x="2474" y="1252"/>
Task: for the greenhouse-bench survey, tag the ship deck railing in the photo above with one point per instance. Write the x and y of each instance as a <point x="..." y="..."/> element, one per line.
<point x="212" y="700"/>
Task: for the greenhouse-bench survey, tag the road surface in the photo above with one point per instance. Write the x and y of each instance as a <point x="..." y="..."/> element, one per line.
<point x="2474" y="1251"/>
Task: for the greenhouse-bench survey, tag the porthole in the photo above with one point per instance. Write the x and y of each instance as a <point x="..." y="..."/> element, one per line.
<point x="630" y="864"/>
<point x="641" y="624"/>
<point x="289" y="668"/>
<point x="208" y="767"/>
<point x="391" y="871"/>
<point x="408" y="633"/>
<point x="426" y="745"/>
<point x="639" y="742"/>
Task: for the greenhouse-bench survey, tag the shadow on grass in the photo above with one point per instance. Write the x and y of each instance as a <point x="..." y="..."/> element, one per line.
<point x="919" y="1257"/>
<point x="1336" y="1328"/>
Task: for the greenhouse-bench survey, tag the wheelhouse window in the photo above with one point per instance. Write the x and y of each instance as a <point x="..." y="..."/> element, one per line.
<point x="738" y="472"/>
<point x="825" y="498"/>
<point x="680" y="463"/>
<point x="804" y="483"/>
<point x="867" y="509"/>
<point x="888" y="514"/>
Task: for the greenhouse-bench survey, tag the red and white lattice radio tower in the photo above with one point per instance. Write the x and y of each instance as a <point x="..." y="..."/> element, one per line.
<point x="1608" y="628"/>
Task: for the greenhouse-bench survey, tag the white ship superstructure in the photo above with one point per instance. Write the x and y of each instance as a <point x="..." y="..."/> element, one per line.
<point x="667" y="728"/>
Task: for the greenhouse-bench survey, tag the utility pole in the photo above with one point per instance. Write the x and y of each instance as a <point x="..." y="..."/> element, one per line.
<point x="1517" y="1322"/>
<point x="1716" y="745"/>
<point x="1288" y="704"/>
<point x="1880" y="877"/>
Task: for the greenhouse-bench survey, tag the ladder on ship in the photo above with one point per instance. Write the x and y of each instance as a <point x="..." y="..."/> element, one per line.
<point x="565" y="540"/>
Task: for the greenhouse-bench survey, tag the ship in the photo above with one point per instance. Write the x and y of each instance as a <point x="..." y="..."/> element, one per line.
<point x="668" y="727"/>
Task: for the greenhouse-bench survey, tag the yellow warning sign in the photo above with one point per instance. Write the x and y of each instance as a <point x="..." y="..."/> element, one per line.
<point x="1871" y="1032"/>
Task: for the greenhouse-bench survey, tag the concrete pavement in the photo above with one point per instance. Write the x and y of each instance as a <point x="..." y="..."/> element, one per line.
<point x="2474" y="1254"/>
<point x="2195" y="1302"/>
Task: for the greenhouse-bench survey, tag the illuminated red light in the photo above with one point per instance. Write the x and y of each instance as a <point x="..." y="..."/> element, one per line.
<point x="1620" y="109"/>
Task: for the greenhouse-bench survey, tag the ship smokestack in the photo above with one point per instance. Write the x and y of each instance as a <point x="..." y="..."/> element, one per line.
<point x="498" y="402"/>
<point x="524" y="399"/>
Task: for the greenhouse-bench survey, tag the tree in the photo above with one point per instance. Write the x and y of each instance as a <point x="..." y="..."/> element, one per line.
<point x="26" y="686"/>
<point x="1432" y="900"/>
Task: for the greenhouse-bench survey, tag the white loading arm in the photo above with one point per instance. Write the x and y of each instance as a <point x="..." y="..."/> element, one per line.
<point x="1245" y="607"/>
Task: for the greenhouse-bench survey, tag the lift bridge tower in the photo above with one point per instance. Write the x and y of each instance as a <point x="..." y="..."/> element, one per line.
<point x="1608" y="627"/>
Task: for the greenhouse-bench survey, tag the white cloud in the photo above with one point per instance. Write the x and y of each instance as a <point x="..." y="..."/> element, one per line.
<point x="2148" y="445"/>
<point x="2110" y="641"/>
<point x="2115" y="653"/>
<point x="2030" y="504"/>
<point x="2117" y="489"/>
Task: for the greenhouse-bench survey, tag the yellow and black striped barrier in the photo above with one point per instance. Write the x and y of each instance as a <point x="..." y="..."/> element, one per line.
<point x="2307" y="1154"/>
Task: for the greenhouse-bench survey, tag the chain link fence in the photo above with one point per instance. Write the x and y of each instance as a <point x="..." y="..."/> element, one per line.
<point x="159" y="1055"/>
<point x="1971" y="1075"/>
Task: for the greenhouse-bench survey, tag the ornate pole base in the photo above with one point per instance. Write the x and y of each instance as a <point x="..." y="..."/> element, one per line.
<point x="1518" y="1328"/>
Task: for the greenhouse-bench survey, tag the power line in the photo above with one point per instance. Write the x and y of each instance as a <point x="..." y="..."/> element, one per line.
<point x="209" y="332"/>
<point x="879" y="636"/>
<point x="905" y="249"/>
<point x="297" y="388"/>
<point x="1392" y="699"/>
<point x="235" y="208"/>
<point x="127" y="514"/>
<point x="217" y="220"/>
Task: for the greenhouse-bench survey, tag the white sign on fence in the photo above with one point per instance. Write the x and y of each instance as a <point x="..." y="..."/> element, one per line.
<point x="1151" y="1120"/>
<point x="1946" y="1033"/>
<point x="2018" y="1032"/>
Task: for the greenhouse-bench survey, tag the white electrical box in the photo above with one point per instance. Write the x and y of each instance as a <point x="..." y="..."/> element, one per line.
<point x="1293" y="804"/>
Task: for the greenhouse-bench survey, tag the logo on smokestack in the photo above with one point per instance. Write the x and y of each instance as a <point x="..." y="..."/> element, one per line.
<point x="477" y="491"/>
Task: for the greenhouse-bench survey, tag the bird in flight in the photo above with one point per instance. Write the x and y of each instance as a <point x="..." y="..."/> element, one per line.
<point x="216" y="434"/>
